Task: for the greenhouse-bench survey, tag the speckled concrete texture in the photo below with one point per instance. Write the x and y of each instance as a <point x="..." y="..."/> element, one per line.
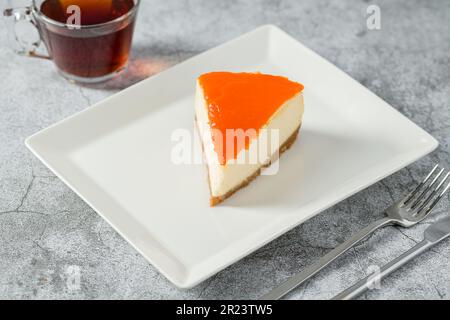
<point x="54" y="246"/>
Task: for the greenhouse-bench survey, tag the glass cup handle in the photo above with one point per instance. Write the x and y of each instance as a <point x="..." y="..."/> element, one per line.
<point x="24" y="47"/>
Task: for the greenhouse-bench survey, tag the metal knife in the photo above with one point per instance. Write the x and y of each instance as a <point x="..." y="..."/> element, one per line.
<point x="435" y="233"/>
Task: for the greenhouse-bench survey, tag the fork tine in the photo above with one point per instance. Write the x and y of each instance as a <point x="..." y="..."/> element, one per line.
<point x="433" y="194"/>
<point x="425" y="191"/>
<point x="420" y="185"/>
<point x="435" y="202"/>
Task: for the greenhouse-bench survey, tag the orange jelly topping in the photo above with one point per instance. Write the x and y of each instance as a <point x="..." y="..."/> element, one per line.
<point x="242" y="101"/>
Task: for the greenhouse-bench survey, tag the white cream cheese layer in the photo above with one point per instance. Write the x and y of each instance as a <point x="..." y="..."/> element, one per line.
<point x="223" y="178"/>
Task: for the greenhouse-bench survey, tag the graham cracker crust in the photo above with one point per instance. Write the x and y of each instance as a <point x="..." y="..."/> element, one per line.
<point x="286" y="145"/>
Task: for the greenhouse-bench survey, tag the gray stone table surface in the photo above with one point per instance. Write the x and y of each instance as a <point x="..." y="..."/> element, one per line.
<point x="48" y="235"/>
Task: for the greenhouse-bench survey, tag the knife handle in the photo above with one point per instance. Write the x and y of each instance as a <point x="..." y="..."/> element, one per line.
<point x="311" y="270"/>
<point x="366" y="283"/>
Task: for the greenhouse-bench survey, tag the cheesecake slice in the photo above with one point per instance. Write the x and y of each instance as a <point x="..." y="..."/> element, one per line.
<point x="245" y="120"/>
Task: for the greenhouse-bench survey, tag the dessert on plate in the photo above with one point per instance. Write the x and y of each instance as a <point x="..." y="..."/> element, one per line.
<point x="244" y="120"/>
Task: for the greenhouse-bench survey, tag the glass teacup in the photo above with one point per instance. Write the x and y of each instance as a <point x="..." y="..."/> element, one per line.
<point x="88" y="40"/>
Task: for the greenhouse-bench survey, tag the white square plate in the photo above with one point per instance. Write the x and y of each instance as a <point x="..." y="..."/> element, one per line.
<point x="116" y="156"/>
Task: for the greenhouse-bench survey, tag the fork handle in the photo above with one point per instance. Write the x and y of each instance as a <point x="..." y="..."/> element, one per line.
<point x="369" y="281"/>
<point x="311" y="270"/>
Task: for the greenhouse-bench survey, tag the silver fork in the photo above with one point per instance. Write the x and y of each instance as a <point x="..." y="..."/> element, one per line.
<point x="410" y="210"/>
